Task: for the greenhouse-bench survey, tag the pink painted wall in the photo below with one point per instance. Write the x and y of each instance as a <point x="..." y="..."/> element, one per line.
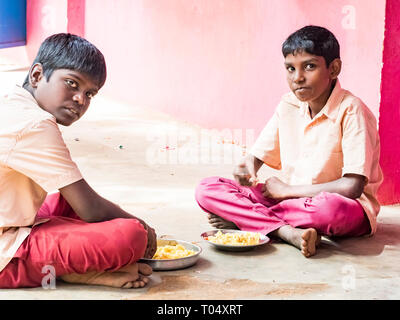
<point x="76" y="17"/>
<point x="215" y="63"/>
<point x="43" y="18"/>
<point x="218" y="63"/>
<point x="389" y="119"/>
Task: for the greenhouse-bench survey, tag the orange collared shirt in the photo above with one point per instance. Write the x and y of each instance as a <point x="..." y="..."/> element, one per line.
<point x="34" y="160"/>
<point x="341" y="139"/>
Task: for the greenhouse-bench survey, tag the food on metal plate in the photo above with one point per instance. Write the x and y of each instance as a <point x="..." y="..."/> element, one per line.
<point x="172" y="252"/>
<point x="235" y="239"/>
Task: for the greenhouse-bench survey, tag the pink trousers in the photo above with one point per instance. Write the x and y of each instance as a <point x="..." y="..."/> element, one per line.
<point x="329" y="213"/>
<point x="66" y="244"/>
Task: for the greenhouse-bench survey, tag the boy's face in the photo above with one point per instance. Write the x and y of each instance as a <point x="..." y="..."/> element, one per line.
<point x="66" y="95"/>
<point x="308" y="77"/>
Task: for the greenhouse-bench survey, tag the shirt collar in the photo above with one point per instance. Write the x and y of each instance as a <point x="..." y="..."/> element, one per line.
<point x="20" y="92"/>
<point x="331" y="108"/>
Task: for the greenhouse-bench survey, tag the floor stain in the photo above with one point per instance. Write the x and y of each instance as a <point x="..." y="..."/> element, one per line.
<point x="188" y="287"/>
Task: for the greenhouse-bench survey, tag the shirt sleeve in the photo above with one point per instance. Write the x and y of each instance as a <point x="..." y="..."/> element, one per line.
<point x="41" y="154"/>
<point x="360" y="141"/>
<point x="266" y="147"/>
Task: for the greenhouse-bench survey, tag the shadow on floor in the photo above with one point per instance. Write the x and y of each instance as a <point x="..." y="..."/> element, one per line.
<point x="386" y="234"/>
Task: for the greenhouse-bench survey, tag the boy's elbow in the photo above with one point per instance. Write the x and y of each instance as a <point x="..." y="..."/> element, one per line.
<point x="353" y="193"/>
<point x="354" y="188"/>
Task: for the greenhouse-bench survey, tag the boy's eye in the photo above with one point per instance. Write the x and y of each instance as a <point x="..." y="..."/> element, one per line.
<point x="310" y="66"/>
<point x="71" y="83"/>
<point x="90" y="95"/>
<point x="290" y="68"/>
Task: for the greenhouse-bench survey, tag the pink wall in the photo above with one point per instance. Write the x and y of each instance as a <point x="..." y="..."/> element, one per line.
<point x="390" y="107"/>
<point x="46" y="17"/>
<point x="215" y="63"/>
<point x="43" y="18"/>
<point x="218" y="63"/>
<point x="76" y="17"/>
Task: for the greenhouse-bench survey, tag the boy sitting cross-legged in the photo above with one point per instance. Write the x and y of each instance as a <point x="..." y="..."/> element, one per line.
<point x="323" y="139"/>
<point x="84" y="237"/>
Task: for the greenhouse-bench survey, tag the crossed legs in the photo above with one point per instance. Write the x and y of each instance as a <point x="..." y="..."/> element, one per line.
<point x="101" y="253"/>
<point x="300" y="222"/>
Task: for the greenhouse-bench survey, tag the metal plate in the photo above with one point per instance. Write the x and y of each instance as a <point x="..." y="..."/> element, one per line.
<point x="174" y="264"/>
<point x="263" y="240"/>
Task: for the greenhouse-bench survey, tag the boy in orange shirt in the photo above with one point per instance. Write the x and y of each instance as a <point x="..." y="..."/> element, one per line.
<point x="325" y="142"/>
<point x="75" y="233"/>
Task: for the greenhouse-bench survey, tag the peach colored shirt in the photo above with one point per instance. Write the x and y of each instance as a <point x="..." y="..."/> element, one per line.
<point x="341" y="139"/>
<point x="34" y="160"/>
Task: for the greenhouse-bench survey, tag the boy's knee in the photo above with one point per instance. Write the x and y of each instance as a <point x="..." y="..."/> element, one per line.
<point x="204" y="189"/>
<point x="209" y="181"/>
<point x="334" y="212"/>
<point x="130" y="235"/>
<point x="330" y="201"/>
<point x="131" y="229"/>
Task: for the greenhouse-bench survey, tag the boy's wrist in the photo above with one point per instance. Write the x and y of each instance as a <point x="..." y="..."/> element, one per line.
<point x="290" y="192"/>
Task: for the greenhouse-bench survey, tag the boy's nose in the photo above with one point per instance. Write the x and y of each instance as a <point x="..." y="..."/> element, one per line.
<point x="78" y="98"/>
<point x="298" y="77"/>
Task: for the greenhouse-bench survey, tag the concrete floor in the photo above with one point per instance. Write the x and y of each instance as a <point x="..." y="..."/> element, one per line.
<point x="120" y="151"/>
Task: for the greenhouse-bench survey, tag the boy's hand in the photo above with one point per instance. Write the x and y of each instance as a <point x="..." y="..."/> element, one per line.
<point x="244" y="176"/>
<point x="276" y="189"/>
<point x="151" y="241"/>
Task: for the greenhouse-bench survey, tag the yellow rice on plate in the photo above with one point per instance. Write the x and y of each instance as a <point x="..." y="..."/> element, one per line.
<point x="235" y="239"/>
<point x="172" y="252"/>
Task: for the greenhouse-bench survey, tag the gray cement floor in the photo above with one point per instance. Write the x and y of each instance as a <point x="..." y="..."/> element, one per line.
<point x="121" y="153"/>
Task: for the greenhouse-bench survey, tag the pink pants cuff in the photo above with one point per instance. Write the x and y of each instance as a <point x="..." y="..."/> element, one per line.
<point x="67" y="244"/>
<point x="329" y="213"/>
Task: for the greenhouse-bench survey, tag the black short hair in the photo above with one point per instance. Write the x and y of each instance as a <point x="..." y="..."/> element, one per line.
<point x="313" y="40"/>
<point x="69" y="51"/>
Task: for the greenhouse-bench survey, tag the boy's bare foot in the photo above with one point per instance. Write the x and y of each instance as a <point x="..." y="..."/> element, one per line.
<point x="220" y="223"/>
<point x="305" y="239"/>
<point x="130" y="276"/>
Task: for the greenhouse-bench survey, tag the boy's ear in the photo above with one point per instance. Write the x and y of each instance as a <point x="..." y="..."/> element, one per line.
<point x="334" y="68"/>
<point x="35" y="74"/>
